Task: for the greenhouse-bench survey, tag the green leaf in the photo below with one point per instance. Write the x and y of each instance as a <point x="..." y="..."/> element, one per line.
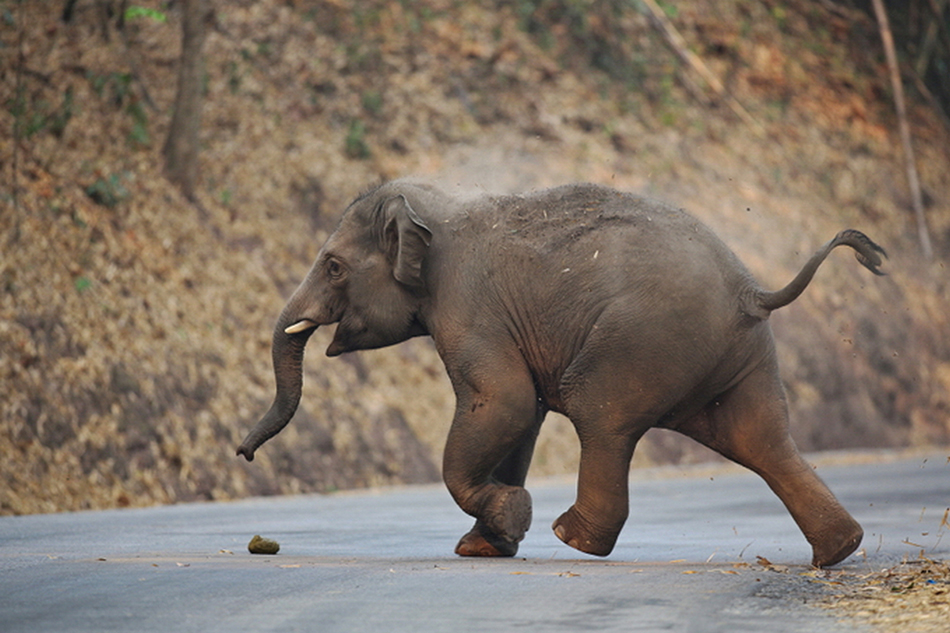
<point x="356" y="146"/>
<point x="136" y="11"/>
<point x="83" y="284"/>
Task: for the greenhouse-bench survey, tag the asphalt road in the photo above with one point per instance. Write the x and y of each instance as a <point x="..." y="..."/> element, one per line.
<point x="382" y="560"/>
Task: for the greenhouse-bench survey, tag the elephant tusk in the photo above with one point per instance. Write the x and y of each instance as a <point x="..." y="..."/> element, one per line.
<point x="300" y="326"/>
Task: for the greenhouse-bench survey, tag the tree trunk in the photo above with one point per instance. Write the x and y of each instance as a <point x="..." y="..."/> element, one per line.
<point x="181" y="146"/>
<point x="904" y="128"/>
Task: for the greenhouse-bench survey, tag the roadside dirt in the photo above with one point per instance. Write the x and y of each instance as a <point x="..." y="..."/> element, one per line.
<point x="135" y="327"/>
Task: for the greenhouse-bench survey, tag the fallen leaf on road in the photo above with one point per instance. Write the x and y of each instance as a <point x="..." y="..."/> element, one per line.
<point x="762" y="560"/>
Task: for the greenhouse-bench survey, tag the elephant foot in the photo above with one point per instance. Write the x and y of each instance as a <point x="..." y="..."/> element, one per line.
<point x="571" y="528"/>
<point x="478" y="542"/>
<point x="502" y="527"/>
<point x="843" y="540"/>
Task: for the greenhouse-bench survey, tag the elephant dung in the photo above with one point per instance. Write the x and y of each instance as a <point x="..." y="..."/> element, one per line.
<point x="259" y="545"/>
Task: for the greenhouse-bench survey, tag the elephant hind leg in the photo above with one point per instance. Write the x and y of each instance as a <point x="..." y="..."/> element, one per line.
<point x="749" y="425"/>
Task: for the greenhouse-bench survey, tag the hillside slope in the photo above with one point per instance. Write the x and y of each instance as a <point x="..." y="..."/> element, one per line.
<point x="135" y="326"/>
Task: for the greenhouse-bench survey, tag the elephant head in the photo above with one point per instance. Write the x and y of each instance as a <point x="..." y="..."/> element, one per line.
<point x="369" y="279"/>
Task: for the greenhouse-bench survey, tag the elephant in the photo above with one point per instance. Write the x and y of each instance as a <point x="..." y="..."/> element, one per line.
<point x="618" y="311"/>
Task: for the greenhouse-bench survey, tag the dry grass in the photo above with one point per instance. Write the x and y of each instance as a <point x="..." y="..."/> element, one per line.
<point x="912" y="597"/>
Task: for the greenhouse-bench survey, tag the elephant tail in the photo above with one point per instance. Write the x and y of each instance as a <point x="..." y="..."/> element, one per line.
<point x="866" y="252"/>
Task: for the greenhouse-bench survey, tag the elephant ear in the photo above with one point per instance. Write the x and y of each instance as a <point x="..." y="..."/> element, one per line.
<point x="406" y="240"/>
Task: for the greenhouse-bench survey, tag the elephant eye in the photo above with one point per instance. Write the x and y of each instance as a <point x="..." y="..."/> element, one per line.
<point x="334" y="269"/>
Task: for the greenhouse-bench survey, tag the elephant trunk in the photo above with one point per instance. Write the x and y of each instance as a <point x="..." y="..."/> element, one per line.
<point x="287" y="352"/>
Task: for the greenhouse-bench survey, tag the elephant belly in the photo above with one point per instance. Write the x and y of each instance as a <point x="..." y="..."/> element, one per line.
<point x="657" y="370"/>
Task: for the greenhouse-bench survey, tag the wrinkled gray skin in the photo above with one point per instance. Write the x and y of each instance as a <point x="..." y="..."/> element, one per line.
<point x="619" y="312"/>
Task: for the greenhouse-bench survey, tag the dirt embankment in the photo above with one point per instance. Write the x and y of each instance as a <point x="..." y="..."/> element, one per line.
<point x="135" y="327"/>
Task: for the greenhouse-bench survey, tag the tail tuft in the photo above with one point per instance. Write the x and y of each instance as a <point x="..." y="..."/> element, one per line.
<point x="865" y="250"/>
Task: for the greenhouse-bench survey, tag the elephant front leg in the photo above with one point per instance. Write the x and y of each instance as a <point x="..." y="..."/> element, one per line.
<point x="487" y="455"/>
<point x="482" y="539"/>
<point x="502" y="529"/>
<point x="593" y="523"/>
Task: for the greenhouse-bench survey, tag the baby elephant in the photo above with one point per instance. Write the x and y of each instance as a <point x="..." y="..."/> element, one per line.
<point x="620" y="312"/>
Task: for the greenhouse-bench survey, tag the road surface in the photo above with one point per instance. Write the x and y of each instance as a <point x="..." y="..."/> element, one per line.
<point x="382" y="560"/>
